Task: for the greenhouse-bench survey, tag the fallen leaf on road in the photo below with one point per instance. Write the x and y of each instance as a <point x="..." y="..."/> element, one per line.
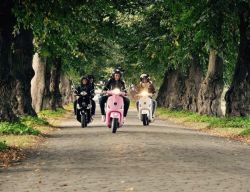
<point x="9" y="156"/>
<point x="130" y="189"/>
<point x="63" y="185"/>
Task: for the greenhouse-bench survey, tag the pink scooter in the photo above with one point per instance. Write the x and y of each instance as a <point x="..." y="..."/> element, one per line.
<point x="115" y="109"/>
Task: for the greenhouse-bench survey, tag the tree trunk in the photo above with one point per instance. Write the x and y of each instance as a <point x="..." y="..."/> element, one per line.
<point x="23" y="72"/>
<point x="15" y="66"/>
<point x="180" y="91"/>
<point x="56" y="97"/>
<point x="211" y="88"/>
<point x="46" y="94"/>
<point x="7" y="84"/>
<point x="171" y="91"/>
<point x="192" y="86"/>
<point x="65" y="90"/>
<point x="38" y="82"/>
<point x="238" y="96"/>
<point x="52" y="97"/>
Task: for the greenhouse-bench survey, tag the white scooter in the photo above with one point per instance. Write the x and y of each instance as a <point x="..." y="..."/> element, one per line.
<point x="145" y="108"/>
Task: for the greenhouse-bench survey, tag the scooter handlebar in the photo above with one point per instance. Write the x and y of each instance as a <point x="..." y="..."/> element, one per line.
<point x="144" y="94"/>
<point x="115" y="92"/>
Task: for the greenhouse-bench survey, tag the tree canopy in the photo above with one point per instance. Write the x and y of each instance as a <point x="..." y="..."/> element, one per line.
<point x="150" y="36"/>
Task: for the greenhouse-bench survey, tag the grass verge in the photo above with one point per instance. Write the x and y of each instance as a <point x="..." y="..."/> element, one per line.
<point x="33" y="121"/>
<point x="233" y="127"/>
<point x="26" y="133"/>
<point x="52" y="116"/>
<point x="17" y="128"/>
<point x="48" y="114"/>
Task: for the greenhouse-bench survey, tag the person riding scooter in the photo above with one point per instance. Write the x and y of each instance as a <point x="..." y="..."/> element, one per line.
<point x="114" y="82"/>
<point x="92" y="92"/>
<point x="146" y="85"/>
<point x="84" y="86"/>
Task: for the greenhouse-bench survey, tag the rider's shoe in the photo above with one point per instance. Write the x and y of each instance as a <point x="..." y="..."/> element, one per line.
<point x="92" y="118"/>
<point x="103" y="118"/>
<point x="153" y="118"/>
<point x="124" y="119"/>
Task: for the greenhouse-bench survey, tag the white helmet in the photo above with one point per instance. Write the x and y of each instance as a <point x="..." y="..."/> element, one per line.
<point x="144" y="76"/>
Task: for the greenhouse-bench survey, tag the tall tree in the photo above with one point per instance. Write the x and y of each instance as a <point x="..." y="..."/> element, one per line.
<point x="16" y="71"/>
<point x="238" y="95"/>
<point x="7" y="83"/>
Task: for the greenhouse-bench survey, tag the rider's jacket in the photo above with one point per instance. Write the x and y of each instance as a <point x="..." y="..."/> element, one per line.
<point x="85" y="88"/>
<point x="112" y="84"/>
<point x="149" y="87"/>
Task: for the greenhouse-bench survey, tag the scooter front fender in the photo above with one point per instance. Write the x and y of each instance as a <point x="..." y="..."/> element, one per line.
<point x="115" y="115"/>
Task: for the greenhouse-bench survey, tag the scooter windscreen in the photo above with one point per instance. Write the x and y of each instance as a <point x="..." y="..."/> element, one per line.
<point x="116" y="91"/>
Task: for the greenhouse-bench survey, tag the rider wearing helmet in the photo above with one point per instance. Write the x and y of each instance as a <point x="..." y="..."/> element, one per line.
<point x="92" y="92"/>
<point x="146" y="85"/>
<point x="114" y="82"/>
<point x="84" y="86"/>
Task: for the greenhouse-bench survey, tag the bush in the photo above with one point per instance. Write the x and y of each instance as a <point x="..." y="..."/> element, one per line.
<point x="3" y="145"/>
<point x="246" y="132"/>
<point x="17" y="129"/>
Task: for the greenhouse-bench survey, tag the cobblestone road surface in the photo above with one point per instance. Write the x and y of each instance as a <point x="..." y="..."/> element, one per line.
<point x="161" y="157"/>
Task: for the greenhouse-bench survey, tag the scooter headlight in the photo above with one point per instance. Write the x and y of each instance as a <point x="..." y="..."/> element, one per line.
<point x="116" y="91"/>
<point x="144" y="93"/>
<point x="84" y="104"/>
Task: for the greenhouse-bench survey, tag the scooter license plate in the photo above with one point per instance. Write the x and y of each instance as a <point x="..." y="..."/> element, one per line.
<point x="144" y="111"/>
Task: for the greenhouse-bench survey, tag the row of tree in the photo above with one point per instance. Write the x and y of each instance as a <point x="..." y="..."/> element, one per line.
<point x="199" y="47"/>
<point x="70" y="39"/>
<point x="191" y="48"/>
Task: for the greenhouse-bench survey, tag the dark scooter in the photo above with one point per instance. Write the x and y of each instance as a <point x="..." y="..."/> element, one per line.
<point x="83" y="109"/>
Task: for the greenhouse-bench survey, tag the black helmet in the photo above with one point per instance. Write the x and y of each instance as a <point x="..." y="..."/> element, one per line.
<point x="144" y="76"/>
<point x="91" y="77"/>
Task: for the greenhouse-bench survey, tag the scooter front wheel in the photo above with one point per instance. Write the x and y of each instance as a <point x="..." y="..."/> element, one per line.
<point x="145" y="119"/>
<point x="114" y="125"/>
<point x="83" y="121"/>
